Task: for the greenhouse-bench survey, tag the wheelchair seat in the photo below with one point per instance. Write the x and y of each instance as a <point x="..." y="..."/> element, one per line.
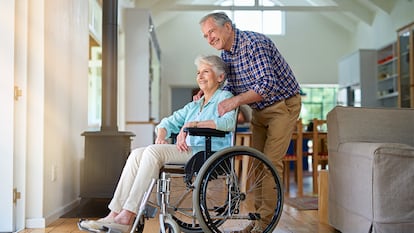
<point x="194" y="164"/>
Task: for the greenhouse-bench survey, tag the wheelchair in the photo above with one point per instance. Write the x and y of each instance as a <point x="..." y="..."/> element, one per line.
<point x="205" y="194"/>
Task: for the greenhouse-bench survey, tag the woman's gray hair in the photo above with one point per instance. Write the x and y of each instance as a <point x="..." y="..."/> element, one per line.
<point x="218" y="65"/>
<point x="220" y="18"/>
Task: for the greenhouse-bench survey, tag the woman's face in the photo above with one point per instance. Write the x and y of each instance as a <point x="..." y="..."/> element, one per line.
<point x="207" y="80"/>
<point x="219" y="37"/>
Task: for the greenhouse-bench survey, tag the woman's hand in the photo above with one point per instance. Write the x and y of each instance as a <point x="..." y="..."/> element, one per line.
<point x="161" y="134"/>
<point x="160" y="140"/>
<point x="181" y="144"/>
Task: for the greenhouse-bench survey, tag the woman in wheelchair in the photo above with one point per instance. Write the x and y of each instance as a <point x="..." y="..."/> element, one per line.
<point x="145" y="163"/>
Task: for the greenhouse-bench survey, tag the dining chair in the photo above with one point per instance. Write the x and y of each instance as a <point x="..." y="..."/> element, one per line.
<point x="294" y="154"/>
<point x="319" y="150"/>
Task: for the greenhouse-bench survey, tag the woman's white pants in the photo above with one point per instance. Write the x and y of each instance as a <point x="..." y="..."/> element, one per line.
<point x="143" y="164"/>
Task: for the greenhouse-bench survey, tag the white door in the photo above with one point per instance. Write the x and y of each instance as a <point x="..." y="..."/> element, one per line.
<point x="12" y="145"/>
<point x="6" y="144"/>
<point x="6" y="116"/>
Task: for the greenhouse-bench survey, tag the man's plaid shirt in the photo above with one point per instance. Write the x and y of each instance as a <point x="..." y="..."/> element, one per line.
<point x="256" y="64"/>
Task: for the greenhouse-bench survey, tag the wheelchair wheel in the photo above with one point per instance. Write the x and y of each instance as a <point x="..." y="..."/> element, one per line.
<point x="222" y="205"/>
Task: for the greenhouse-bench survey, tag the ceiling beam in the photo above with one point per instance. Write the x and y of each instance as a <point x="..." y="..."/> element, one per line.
<point x="385" y="5"/>
<point x="183" y="7"/>
<point x="341" y="20"/>
<point x="359" y="10"/>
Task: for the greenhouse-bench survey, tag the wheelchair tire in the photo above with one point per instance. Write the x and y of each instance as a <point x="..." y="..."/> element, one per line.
<point x="221" y="204"/>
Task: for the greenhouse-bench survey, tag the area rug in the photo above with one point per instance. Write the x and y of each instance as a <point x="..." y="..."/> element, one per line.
<point x="303" y="203"/>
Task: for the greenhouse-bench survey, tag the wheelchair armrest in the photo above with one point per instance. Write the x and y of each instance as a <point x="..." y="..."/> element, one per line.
<point x="205" y="132"/>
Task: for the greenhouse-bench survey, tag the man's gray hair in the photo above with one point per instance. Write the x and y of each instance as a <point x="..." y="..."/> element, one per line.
<point x="220" y="18"/>
<point x="218" y="65"/>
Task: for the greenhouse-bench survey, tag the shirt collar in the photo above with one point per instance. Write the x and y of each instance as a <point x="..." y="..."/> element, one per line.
<point x="212" y="100"/>
<point x="235" y="44"/>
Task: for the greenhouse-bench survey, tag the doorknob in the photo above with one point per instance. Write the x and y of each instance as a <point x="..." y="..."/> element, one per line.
<point x="17" y="93"/>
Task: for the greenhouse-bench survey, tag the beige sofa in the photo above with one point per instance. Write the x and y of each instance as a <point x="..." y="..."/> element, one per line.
<point x="371" y="170"/>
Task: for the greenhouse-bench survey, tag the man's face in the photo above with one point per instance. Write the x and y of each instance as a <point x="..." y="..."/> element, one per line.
<point x="219" y="37"/>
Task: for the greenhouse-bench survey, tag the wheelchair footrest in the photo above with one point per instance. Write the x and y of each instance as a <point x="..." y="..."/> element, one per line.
<point x="110" y="230"/>
<point x="150" y="211"/>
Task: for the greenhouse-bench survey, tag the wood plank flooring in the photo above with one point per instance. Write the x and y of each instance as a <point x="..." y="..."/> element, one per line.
<point x="292" y="220"/>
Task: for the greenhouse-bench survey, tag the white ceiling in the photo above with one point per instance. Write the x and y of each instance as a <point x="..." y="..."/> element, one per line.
<point x="346" y="13"/>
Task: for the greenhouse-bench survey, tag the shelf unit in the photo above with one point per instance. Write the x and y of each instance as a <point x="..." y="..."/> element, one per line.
<point x="387" y="76"/>
<point x="405" y="49"/>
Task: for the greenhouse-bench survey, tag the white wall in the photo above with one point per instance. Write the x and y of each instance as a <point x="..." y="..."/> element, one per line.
<point x="57" y="78"/>
<point x="65" y="98"/>
<point x="35" y="115"/>
<point x="137" y="77"/>
<point x="137" y="63"/>
<point x="311" y="45"/>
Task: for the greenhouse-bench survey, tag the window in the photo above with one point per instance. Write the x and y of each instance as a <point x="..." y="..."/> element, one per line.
<point x="95" y="88"/>
<point x="269" y="22"/>
<point x="317" y="101"/>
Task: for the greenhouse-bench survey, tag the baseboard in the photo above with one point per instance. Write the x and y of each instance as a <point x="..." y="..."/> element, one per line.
<point x="43" y="222"/>
<point x="61" y="211"/>
<point x="35" y="223"/>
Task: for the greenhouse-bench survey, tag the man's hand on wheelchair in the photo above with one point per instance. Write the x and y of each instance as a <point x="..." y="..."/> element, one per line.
<point x="198" y="96"/>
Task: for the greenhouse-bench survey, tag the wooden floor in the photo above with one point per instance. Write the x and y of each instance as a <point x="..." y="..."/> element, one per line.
<point x="292" y="220"/>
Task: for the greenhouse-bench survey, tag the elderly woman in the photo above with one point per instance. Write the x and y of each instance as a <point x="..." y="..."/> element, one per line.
<point x="144" y="163"/>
